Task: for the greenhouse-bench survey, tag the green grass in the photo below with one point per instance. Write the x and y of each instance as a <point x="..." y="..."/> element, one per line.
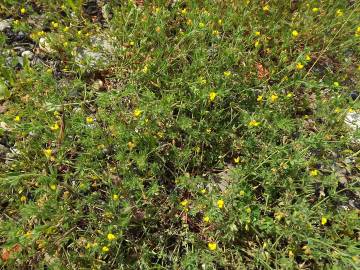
<point x="209" y="135"/>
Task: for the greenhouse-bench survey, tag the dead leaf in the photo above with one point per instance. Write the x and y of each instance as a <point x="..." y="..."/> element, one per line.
<point x="5" y="255"/>
<point x="16" y="248"/>
<point x="262" y="72"/>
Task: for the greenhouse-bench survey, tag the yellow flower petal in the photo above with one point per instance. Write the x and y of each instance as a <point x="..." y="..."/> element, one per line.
<point x="212" y="96"/>
<point x="295" y="33"/>
<point x="323" y="220"/>
<point x="111" y="237"/>
<point x="212" y="246"/>
<point x="220" y="203"/>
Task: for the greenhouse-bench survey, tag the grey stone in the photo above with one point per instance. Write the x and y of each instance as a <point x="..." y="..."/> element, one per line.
<point x="96" y="55"/>
<point x="4" y="25"/>
<point x="353" y="120"/>
<point x="27" y="54"/>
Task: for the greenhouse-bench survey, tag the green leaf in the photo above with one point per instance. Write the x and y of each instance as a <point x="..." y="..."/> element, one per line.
<point x="4" y="91"/>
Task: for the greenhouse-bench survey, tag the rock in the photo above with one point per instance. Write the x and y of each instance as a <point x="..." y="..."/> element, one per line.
<point x="354" y="95"/>
<point x="20" y="36"/>
<point x="92" y="58"/>
<point x="27" y="54"/>
<point x="98" y="85"/>
<point x="4" y="25"/>
<point x="97" y="55"/>
<point x="353" y="120"/>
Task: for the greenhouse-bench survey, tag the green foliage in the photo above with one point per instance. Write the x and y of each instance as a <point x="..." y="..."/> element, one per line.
<point x="180" y="134"/>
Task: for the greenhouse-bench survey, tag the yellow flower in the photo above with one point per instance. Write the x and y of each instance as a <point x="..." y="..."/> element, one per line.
<point x="299" y="66"/>
<point x="339" y="13"/>
<point x="291" y="254"/>
<point x="203" y="191"/>
<point x="248" y="210"/>
<point x="89" y="120"/>
<point x="145" y="69"/>
<point x="189" y="22"/>
<point x="212" y="246"/>
<point x="105" y="249"/>
<point x="220" y="203"/>
<point x="220" y="22"/>
<point x="274" y="98"/>
<point x="53" y="187"/>
<point x="66" y="29"/>
<point x="183" y="11"/>
<point x="323" y="220"/>
<point x="227" y="73"/>
<point x="55" y="24"/>
<point x="28" y="234"/>
<point x="314" y="172"/>
<point x="132" y="43"/>
<point x="315" y="9"/>
<point x="257" y="33"/>
<point x="308" y="57"/>
<point x="295" y="33"/>
<point x="266" y="8"/>
<point x="358" y="30"/>
<point x="253" y="123"/>
<point x="259" y="98"/>
<point x="184" y="203"/>
<point x="201" y="25"/>
<point x="206" y="219"/>
<point x="212" y="96"/>
<point x="290" y="95"/>
<point x="216" y="33"/>
<point x="336" y="84"/>
<point x="111" y="237"/>
<point x="17" y="118"/>
<point x="115" y="197"/>
<point x="237" y="160"/>
<point x="337" y="110"/>
<point x="22" y="10"/>
<point x="47" y="152"/>
<point x="242" y="193"/>
<point x="307" y="250"/>
<point x="54" y="127"/>
<point x="257" y="44"/>
<point x="201" y="80"/>
<point x="137" y="112"/>
<point x="23" y="198"/>
<point x="131" y="145"/>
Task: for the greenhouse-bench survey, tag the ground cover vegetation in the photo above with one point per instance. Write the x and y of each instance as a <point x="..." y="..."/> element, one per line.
<point x="179" y="134"/>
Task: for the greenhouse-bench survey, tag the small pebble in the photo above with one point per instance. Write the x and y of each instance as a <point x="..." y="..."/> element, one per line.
<point x="27" y="54"/>
<point x="354" y="95"/>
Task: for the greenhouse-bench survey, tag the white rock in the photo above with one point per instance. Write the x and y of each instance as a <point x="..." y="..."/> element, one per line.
<point x="27" y="54"/>
<point x="4" y="24"/>
<point x="353" y="120"/>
